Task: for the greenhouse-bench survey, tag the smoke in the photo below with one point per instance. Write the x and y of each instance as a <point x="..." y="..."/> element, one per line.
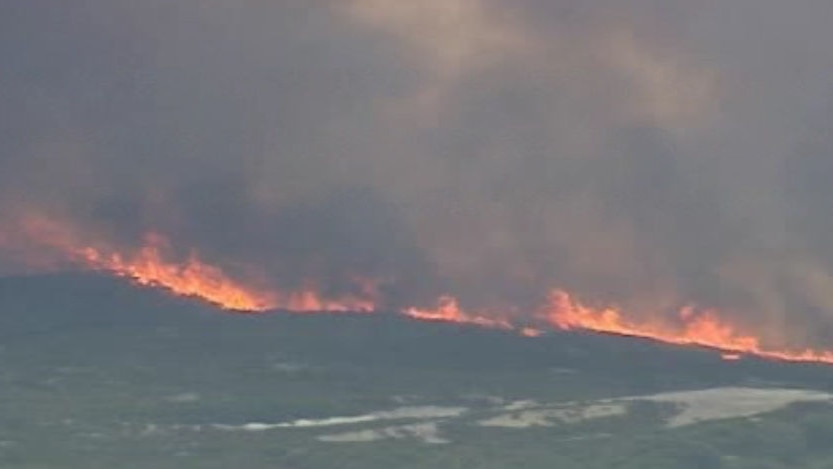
<point x="652" y="154"/>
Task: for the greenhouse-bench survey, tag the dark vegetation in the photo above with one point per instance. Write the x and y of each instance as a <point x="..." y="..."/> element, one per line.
<point x="95" y="373"/>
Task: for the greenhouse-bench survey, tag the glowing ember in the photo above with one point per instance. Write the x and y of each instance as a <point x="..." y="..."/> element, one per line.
<point x="531" y="332"/>
<point x="704" y="329"/>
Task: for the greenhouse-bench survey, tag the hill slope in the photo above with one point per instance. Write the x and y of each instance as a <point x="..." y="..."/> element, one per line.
<point x="98" y="373"/>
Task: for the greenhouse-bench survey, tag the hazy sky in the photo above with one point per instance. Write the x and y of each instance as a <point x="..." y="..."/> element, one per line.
<point x="652" y="153"/>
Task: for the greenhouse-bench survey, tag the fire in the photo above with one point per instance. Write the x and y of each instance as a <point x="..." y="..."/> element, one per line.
<point x="308" y="299"/>
<point x="192" y="277"/>
<point x="704" y="329"/>
<point x="151" y="265"/>
<point x="448" y="310"/>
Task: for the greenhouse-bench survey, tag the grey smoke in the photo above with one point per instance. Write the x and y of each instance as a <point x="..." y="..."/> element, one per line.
<point x="652" y="154"/>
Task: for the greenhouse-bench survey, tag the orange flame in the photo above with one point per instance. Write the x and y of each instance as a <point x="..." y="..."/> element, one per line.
<point x="193" y="277"/>
<point x="703" y="329"/>
<point x="448" y="310"/>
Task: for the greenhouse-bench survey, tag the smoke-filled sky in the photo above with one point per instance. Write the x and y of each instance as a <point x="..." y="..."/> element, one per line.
<point x="644" y="152"/>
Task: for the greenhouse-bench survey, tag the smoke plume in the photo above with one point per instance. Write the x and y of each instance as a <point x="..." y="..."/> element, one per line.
<point x="649" y="154"/>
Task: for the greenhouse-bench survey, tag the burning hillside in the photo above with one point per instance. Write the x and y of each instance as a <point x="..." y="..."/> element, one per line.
<point x="193" y="277"/>
<point x="525" y="166"/>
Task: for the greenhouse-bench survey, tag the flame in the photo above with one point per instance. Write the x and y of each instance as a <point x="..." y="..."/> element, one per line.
<point x="308" y="299"/>
<point x="448" y="310"/>
<point x="699" y="328"/>
<point x="192" y="277"/>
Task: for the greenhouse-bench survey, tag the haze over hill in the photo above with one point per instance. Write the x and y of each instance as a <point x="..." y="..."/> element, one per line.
<point x="444" y="233"/>
<point x="653" y="156"/>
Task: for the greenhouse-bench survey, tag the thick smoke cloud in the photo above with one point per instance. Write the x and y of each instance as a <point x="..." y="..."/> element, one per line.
<point x="649" y="153"/>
